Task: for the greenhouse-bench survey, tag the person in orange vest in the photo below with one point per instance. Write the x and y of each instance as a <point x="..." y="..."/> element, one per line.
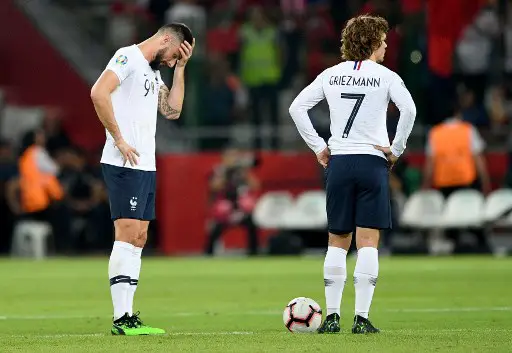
<point x="39" y="185"/>
<point x="455" y="162"/>
<point x="454" y="157"/>
<point x="39" y="188"/>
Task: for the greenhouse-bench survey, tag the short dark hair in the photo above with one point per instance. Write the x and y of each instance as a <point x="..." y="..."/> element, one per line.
<point x="180" y="30"/>
<point x="362" y="36"/>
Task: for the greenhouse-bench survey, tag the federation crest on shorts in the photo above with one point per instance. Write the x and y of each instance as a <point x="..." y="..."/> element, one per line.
<point x="121" y="60"/>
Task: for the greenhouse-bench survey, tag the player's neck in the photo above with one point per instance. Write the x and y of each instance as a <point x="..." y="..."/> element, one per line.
<point x="149" y="49"/>
<point x="373" y="58"/>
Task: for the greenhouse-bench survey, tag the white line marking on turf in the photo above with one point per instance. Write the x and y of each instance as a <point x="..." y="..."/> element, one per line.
<point x="210" y="333"/>
<point x="448" y="310"/>
<point x="253" y="313"/>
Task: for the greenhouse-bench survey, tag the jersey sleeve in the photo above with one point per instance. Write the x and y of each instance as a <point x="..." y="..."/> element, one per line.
<point x="400" y="95"/>
<point x="122" y="64"/>
<point x="307" y="99"/>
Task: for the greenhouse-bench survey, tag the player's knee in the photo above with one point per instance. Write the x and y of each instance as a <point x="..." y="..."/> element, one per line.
<point x="367" y="237"/>
<point x="142" y="238"/>
<point x="127" y="230"/>
<point x="340" y="239"/>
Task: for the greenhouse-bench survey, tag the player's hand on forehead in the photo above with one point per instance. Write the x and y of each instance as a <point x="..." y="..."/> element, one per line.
<point x="186" y="49"/>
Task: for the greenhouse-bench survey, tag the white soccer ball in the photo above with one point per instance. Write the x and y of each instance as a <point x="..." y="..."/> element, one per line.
<point x="302" y="315"/>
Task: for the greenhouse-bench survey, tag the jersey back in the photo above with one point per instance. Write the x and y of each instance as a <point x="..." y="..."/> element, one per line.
<point x="358" y="96"/>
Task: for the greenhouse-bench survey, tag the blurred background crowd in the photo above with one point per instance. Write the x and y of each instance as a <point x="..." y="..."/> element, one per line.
<point x="251" y="58"/>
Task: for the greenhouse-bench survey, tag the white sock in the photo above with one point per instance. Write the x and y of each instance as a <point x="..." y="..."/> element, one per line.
<point x="365" y="279"/>
<point x="118" y="272"/>
<point x="335" y="276"/>
<point x="134" y="278"/>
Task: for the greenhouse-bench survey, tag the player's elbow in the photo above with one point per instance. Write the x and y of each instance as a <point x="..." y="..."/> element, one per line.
<point x="412" y="111"/>
<point x="96" y="94"/>
<point x="294" y="109"/>
<point x="173" y="116"/>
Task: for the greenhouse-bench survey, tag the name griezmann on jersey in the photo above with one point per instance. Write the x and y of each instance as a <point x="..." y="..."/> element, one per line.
<point x="358" y="94"/>
<point x="354" y="81"/>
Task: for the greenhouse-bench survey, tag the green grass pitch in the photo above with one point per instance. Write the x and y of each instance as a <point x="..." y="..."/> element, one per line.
<point x="235" y="305"/>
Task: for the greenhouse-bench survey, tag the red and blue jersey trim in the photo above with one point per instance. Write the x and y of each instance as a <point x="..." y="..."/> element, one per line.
<point x="357" y="65"/>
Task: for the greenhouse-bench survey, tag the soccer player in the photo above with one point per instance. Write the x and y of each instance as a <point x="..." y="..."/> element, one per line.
<point x="357" y="159"/>
<point x="126" y="98"/>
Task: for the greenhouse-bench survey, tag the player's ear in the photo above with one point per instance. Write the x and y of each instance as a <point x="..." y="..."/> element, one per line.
<point x="166" y="38"/>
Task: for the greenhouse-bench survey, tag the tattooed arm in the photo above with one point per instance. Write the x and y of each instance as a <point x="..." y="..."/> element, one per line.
<point x="170" y="102"/>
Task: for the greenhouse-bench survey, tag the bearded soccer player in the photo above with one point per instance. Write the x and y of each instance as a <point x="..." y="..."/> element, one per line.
<point x="356" y="160"/>
<point x="126" y="98"/>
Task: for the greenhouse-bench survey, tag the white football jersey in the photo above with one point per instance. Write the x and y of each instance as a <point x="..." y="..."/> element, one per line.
<point x="358" y="94"/>
<point x="135" y="104"/>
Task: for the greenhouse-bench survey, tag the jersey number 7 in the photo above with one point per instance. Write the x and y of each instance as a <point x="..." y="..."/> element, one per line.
<point x="359" y="100"/>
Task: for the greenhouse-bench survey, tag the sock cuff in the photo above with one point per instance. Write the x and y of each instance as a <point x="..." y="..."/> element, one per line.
<point x="336" y="258"/>
<point x="336" y="251"/>
<point x="137" y="251"/>
<point x="123" y="245"/>
<point x="368" y="250"/>
<point x="367" y="262"/>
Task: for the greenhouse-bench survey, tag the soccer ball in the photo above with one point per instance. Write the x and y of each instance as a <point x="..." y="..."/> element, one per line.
<point x="302" y="315"/>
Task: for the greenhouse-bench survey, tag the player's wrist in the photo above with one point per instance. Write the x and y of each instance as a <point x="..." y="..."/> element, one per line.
<point x="394" y="152"/>
<point x="118" y="140"/>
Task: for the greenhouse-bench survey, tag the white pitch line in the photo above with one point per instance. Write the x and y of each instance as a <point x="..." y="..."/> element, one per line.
<point x="448" y="310"/>
<point x="254" y="313"/>
<point x="447" y="330"/>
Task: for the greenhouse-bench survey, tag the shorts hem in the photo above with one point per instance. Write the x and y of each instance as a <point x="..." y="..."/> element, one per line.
<point x="373" y="227"/>
<point x="137" y="218"/>
<point x="339" y="232"/>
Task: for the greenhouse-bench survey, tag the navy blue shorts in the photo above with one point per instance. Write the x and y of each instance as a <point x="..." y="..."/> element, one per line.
<point x="131" y="192"/>
<point x="357" y="193"/>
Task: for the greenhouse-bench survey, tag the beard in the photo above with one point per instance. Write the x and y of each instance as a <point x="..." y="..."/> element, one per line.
<point x="157" y="61"/>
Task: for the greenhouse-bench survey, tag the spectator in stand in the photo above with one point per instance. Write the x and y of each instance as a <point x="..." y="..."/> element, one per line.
<point x="37" y="193"/>
<point x="84" y="198"/>
<point x="220" y="102"/>
<point x="499" y="108"/>
<point x="223" y="37"/>
<point x="260" y="70"/>
<point x="455" y="162"/>
<point x="8" y="172"/>
<point x="56" y="138"/>
<point x="473" y="111"/>
<point x="474" y="49"/>
<point x="291" y="34"/>
<point x="233" y="196"/>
